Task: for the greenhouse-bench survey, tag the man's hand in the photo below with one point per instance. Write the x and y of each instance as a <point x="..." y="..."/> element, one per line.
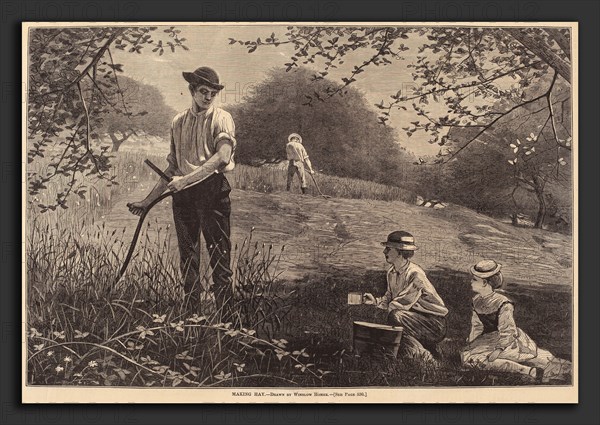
<point x="312" y="171"/>
<point x="368" y="298"/>
<point x="137" y="208"/>
<point x="494" y="355"/>
<point x="177" y="183"/>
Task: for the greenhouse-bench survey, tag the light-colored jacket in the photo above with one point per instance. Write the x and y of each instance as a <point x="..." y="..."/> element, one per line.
<point x="410" y="289"/>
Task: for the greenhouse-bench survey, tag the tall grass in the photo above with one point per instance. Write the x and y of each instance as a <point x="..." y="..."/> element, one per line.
<point x="87" y="329"/>
<point x="272" y="179"/>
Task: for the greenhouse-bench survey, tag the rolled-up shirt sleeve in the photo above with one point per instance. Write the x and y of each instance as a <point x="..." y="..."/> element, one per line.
<point x="224" y="130"/>
<point x="303" y="153"/>
<point x="384" y="302"/>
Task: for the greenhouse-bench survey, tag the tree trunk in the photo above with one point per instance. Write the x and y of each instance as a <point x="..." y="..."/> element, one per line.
<point x="116" y="142"/>
<point x="543" y="52"/>
<point x="541" y="214"/>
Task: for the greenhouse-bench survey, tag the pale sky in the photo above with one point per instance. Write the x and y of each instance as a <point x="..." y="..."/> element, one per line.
<point x="239" y="71"/>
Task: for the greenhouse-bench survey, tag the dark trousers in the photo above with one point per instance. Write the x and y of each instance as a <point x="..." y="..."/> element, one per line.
<point x="296" y="167"/>
<point x="205" y="209"/>
<point x="427" y="329"/>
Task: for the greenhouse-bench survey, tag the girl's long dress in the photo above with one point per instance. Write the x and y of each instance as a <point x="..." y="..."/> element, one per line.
<point x="493" y="327"/>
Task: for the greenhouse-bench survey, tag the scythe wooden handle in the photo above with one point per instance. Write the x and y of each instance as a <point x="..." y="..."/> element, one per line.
<point x="157" y="170"/>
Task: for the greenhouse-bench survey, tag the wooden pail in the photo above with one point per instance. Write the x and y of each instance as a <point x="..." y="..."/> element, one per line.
<point x="375" y="339"/>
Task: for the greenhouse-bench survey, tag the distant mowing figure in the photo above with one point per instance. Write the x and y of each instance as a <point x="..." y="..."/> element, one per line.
<point x="495" y="342"/>
<point x="297" y="157"/>
<point x="202" y="148"/>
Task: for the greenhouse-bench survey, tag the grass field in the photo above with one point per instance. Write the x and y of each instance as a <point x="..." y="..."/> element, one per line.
<point x="87" y="329"/>
<point x="131" y="173"/>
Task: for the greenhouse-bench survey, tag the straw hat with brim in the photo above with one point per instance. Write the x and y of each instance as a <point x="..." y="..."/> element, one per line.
<point x="291" y="136"/>
<point x="485" y="269"/>
<point x="204" y="75"/>
<point x="403" y="241"/>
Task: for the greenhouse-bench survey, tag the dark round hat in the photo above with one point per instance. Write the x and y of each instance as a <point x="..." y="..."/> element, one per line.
<point x="204" y="75"/>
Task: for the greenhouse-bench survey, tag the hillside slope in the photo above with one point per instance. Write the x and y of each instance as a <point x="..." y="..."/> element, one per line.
<point x="321" y="234"/>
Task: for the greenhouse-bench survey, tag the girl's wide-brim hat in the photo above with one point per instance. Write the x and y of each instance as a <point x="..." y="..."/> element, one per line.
<point x="204" y="75"/>
<point x="291" y="136"/>
<point x="485" y="269"/>
<point x="403" y="241"/>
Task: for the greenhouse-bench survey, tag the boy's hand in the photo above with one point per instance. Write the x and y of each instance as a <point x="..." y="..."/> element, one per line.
<point x="177" y="183"/>
<point x="368" y="298"/>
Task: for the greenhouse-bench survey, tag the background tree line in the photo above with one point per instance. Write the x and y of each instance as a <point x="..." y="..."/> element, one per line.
<point x="343" y="138"/>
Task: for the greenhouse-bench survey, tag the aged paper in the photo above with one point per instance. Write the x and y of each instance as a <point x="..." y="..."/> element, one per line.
<point x="300" y="212"/>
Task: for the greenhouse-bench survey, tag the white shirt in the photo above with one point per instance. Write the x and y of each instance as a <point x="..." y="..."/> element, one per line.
<point x="295" y="152"/>
<point x="408" y="289"/>
<point x="195" y="136"/>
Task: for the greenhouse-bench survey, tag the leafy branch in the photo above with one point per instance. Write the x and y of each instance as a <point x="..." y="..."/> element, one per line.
<point x="69" y="86"/>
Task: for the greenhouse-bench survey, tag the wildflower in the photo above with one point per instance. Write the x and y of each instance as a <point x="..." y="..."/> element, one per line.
<point x="281" y="353"/>
<point x="240" y="367"/>
<point x="59" y="335"/>
<point x="50" y="353"/>
<point x="222" y="376"/>
<point x="131" y="346"/>
<point x="178" y="326"/>
<point x="33" y="332"/>
<point x="78" y="375"/>
<point x="148" y="360"/>
<point x="183" y="356"/>
<point x="59" y="369"/>
<point x="144" y="331"/>
<point x="232" y="332"/>
<point x="38" y="347"/>
<point x="68" y="359"/>
<point x="159" y="319"/>
<point x="196" y="319"/>
<point x="93" y="363"/>
<point x="79" y="334"/>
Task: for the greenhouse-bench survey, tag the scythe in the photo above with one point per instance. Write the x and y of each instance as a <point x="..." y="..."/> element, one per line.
<point x="138" y="228"/>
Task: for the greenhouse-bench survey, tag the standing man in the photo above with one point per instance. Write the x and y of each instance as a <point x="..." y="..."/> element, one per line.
<point x="411" y="301"/>
<point x="297" y="157"/>
<point x="202" y="147"/>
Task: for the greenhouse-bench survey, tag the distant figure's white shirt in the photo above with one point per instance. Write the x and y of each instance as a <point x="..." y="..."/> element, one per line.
<point x="295" y="152"/>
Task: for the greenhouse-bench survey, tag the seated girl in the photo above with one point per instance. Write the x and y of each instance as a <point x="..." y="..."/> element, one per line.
<point x="495" y="341"/>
